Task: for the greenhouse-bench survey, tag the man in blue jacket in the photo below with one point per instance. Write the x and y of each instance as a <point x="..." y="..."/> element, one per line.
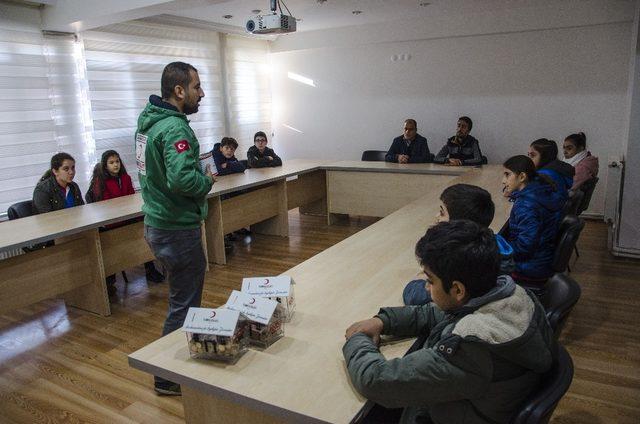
<point x="410" y="147"/>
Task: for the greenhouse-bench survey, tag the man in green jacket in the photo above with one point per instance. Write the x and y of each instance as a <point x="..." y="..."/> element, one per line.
<point x="485" y="340"/>
<point x="174" y="190"/>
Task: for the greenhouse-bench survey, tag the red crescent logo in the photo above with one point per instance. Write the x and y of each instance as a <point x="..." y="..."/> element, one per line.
<point x="253" y="300"/>
<point x="181" y="146"/>
<point x="267" y="282"/>
<point x="213" y="314"/>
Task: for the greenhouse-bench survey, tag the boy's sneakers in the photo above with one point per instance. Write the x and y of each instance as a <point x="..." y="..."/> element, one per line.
<point x="167" y="388"/>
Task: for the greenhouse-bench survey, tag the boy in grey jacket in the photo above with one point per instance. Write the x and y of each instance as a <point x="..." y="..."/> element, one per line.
<point x="486" y="340"/>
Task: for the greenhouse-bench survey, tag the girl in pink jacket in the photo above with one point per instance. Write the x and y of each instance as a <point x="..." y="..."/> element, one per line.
<point x="576" y="154"/>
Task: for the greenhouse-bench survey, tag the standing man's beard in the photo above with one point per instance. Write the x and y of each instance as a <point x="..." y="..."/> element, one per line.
<point x="189" y="109"/>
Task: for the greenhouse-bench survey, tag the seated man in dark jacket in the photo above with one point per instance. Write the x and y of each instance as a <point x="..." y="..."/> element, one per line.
<point x="410" y="147"/>
<point x="462" y="148"/>
<point x="223" y="156"/>
<point x="261" y="156"/>
<point x="486" y="340"/>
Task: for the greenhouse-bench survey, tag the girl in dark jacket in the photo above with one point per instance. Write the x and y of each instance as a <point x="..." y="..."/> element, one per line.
<point x="544" y="154"/>
<point x="110" y="180"/>
<point x="56" y="189"/>
<point x="534" y="220"/>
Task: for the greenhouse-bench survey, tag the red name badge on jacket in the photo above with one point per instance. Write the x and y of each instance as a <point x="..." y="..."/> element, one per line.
<point x="181" y="146"/>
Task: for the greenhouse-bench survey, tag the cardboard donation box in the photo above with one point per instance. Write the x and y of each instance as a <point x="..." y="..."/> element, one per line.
<point x="280" y="289"/>
<point x="220" y="334"/>
<point x="266" y="317"/>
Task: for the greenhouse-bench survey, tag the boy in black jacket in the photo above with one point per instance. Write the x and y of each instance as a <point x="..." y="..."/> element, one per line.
<point x="224" y="157"/>
<point x="259" y="155"/>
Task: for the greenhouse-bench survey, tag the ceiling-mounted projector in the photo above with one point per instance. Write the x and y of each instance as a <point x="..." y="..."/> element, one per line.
<point x="271" y="24"/>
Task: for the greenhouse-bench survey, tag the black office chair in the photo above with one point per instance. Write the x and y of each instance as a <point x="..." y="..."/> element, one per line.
<point x="20" y="210"/>
<point x="485" y="160"/>
<point x="373" y="155"/>
<point x="245" y="163"/>
<point x="562" y="293"/>
<point x="573" y="202"/>
<point x="568" y="234"/>
<point x="539" y="407"/>
<point x="587" y="189"/>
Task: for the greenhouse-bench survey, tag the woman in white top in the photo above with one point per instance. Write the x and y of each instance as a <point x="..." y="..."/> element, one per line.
<point x="577" y="155"/>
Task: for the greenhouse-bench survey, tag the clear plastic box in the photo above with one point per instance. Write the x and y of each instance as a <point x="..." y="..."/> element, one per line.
<point x="264" y="335"/>
<point x="280" y="289"/>
<point x="228" y="346"/>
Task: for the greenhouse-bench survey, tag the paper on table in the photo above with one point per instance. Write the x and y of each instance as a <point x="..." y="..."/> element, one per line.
<point x="220" y="322"/>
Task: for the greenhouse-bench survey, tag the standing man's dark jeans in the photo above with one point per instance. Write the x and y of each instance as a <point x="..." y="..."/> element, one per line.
<point x="180" y="251"/>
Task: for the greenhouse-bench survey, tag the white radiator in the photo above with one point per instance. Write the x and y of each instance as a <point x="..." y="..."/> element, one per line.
<point x="613" y="199"/>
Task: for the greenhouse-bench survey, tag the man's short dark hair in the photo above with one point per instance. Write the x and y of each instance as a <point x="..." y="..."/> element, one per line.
<point x="463" y="251"/>
<point x="175" y="73"/>
<point x="411" y="121"/>
<point x="465" y="201"/>
<point x="229" y="141"/>
<point x="467" y="120"/>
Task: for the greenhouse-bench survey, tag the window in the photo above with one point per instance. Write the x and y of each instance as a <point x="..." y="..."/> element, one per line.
<point x="124" y="66"/>
<point x="41" y="105"/>
<point x="248" y="89"/>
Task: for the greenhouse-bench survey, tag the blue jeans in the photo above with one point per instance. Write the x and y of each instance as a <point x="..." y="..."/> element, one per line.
<point x="180" y="251"/>
<point x="416" y="293"/>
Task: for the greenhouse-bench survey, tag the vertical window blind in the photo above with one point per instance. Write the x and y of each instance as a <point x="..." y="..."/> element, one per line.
<point x="83" y="94"/>
<point x="248" y="73"/>
<point x="124" y="66"/>
<point x="40" y="107"/>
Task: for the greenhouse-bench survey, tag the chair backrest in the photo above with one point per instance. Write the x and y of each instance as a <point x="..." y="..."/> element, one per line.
<point x="561" y="294"/>
<point x="568" y="234"/>
<point x="485" y="160"/>
<point x="373" y="155"/>
<point x="20" y="210"/>
<point x="587" y="189"/>
<point x="539" y="406"/>
<point x="573" y="202"/>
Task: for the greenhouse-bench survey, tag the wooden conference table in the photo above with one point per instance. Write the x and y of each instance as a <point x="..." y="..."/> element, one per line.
<point x="83" y="255"/>
<point x="302" y="377"/>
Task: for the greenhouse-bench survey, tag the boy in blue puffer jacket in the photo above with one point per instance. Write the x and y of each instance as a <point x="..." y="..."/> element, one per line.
<point x="534" y="221"/>
<point x="463" y="201"/>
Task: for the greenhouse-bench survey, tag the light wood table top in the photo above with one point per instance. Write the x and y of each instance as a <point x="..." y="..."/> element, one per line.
<point x="396" y="168"/>
<point x="39" y="228"/>
<point x="303" y="375"/>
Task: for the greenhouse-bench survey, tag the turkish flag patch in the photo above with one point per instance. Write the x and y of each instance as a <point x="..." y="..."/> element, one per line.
<point x="181" y="146"/>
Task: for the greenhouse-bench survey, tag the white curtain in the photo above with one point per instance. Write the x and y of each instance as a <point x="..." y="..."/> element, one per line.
<point x="40" y="106"/>
<point x="248" y="67"/>
<point x="82" y="95"/>
<point x="124" y="66"/>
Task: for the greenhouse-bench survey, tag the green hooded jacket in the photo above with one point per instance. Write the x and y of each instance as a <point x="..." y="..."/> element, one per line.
<point x="478" y="364"/>
<point x="167" y="156"/>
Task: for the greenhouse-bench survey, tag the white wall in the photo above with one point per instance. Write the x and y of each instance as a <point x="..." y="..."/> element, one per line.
<point x="516" y="86"/>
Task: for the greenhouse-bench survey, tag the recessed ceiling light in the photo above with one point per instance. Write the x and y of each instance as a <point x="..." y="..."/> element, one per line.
<point x="227" y="16"/>
<point x="357" y="12"/>
<point x="256" y="11"/>
<point x="298" y="19"/>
